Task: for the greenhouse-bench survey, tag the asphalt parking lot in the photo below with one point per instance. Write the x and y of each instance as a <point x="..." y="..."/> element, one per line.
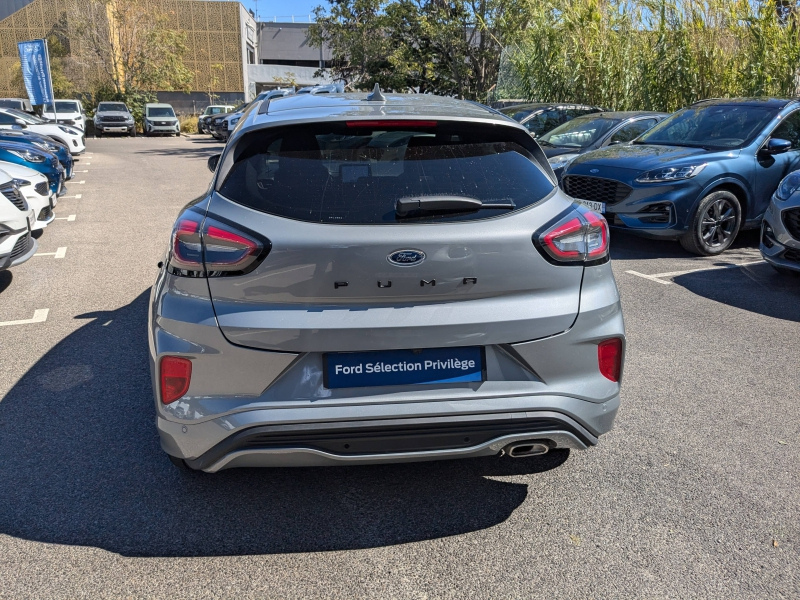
<point x="695" y="493"/>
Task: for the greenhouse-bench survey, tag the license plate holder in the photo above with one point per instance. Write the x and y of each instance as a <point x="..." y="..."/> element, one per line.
<point x="595" y="206"/>
<point x="429" y="366"/>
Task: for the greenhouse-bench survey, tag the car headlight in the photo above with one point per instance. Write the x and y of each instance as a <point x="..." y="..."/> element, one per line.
<point x="46" y="146"/>
<point x="561" y="161"/>
<point x="28" y="155"/>
<point x="68" y="130"/>
<point x="21" y="182"/>
<point x="671" y="173"/>
<point x="235" y="121"/>
<point x="788" y="186"/>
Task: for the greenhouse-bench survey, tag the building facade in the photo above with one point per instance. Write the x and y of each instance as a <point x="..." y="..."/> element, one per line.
<point x="285" y="57"/>
<point x="221" y="40"/>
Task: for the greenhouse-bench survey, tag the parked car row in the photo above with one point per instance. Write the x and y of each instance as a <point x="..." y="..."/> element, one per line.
<point x="34" y="167"/>
<point x="222" y="123"/>
<point x="698" y="176"/>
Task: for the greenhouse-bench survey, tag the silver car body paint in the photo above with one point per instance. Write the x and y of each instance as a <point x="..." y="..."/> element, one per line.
<point x="785" y="254"/>
<point x="256" y="341"/>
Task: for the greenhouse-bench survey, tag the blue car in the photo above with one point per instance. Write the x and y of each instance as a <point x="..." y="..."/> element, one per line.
<point x="39" y="160"/>
<point x="699" y="176"/>
<point x="43" y="143"/>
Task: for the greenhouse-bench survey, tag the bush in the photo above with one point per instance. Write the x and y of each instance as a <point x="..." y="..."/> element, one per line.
<point x="188" y="124"/>
<point x="662" y="55"/>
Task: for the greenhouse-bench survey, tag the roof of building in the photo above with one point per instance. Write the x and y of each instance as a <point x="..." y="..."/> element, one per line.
<point x="287" y="41"/>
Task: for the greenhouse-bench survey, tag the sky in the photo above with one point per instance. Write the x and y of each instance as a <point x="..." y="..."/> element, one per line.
<point x="283" y="9"/>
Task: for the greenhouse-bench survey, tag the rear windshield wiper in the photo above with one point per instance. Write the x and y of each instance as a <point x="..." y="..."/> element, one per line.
<point x="404" y="206"/>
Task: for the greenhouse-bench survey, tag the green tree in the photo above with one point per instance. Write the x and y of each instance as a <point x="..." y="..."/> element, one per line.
<point x="450" y="48"/>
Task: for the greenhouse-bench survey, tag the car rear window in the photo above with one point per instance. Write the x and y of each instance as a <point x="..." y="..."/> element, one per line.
<point x="355" y="174"/>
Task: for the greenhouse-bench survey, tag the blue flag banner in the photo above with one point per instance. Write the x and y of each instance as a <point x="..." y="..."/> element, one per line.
<point x="36" y="71"/>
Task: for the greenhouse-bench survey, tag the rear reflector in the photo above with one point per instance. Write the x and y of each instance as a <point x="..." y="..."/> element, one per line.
<point x="392" y="124"/>
<point x="609" y="358"/>
<point x="175" y="376"/>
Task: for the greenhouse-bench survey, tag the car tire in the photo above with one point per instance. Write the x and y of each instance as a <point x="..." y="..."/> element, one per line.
<point x="714" y="225"/>
<point x="98" y="133"/>
<point x="132" y="132"/>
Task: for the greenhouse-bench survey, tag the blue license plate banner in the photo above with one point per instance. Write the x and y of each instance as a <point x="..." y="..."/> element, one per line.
<point x="403" y="367"/>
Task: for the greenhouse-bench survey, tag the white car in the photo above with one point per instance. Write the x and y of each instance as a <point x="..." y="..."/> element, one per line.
<point x="68" y="112"/>
<point x="16" y="243"/>
<point x="71" y="137"/>
<point x="36" y="190"/>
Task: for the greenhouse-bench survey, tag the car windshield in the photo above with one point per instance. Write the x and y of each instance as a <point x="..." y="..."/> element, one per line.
<point x="332" y="173"/>
<point x="6" y="103"/>
<point x="518" y="114"/>
<point x="30" y="119"/>
<point x="579" y="133"/>
<point x="63" y="106"/>
<point x="711" y="125"/>
<point x="160" y="111"/>
<point x="112" y="107"/>
<point x="215" y="110"/>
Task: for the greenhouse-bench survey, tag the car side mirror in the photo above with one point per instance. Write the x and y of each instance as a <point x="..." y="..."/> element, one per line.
<point x="22" y="124"/>
<point x="778" y="146"/>
<point x="213" y="161"/>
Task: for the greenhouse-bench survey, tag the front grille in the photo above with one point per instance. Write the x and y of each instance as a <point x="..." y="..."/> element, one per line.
<point x="595" y="189"/>
<point x="791" y="220"/>
<point x="13" y="194"/>
<point x="21" y="247"/>
<point x="112" y="119"/>
<point x="42" y="188"/>
<point x="45" y="214"/>
<point x="792" y="255"/>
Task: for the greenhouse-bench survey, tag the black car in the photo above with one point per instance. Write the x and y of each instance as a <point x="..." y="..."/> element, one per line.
<point x="699" y="176"/>
<point x="540" y="118"/>
<point x="583" y="134"/>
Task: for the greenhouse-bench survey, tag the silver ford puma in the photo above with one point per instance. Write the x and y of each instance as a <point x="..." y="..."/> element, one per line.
<point x="376" y="279"/>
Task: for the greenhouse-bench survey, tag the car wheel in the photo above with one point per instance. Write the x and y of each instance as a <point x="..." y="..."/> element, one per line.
<point x="98" y="133"/>
<point x="132" y="131"/>
<point x="714" y="225"/>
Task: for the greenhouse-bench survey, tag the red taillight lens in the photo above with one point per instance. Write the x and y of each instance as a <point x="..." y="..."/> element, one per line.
<point x="186" y="257"/>
<point x="203" y="247"/>
<point x="228" y="251"/>
<point x="393" y="124"/>
<point x="579" y="237"/>
<point x="175" y="375"/>
<point x="609" y="358"/>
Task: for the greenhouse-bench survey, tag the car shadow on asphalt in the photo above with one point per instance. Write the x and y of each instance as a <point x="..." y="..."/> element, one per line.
<point x="80" y="464"/>
<point x="627" y="246"/>
<point x="5" y="280"/>
<point x="756" y="288"/>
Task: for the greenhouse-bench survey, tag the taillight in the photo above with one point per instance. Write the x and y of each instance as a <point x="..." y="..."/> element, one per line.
<point x="228" y="251"/>
<point x="186" y="256"/>
<point x="175" y="375"/>
<point x="609" y="358"/>
<point x="207" y="247"/>
<point x="579" y="237"/>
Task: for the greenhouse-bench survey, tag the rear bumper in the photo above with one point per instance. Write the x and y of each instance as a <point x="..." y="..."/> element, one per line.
<point x="386" y="441"/>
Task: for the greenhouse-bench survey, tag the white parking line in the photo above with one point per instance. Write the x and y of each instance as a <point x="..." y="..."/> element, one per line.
<point x="84" y="171"/>
<point x="80" y="182"/>
<point x="69" y="218"/>
<point x="659" y="277"/>
<point x="76" y="196"/>
<point x="59" y="253"/>
<point x="39" y="316"/>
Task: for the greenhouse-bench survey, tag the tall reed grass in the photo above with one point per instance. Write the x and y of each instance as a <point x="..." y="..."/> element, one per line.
<point x="653" y="54"/>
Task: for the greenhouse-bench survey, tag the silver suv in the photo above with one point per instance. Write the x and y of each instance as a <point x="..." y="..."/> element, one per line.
<point x="382" y="279"/>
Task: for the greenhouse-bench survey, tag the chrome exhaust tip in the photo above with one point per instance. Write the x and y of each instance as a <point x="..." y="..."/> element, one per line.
<point x="525" y="449"/>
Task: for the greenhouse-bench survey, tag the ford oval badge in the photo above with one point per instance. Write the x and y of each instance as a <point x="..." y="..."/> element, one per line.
<point x="406" y="258"/>
<point x="594" y="170"/>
